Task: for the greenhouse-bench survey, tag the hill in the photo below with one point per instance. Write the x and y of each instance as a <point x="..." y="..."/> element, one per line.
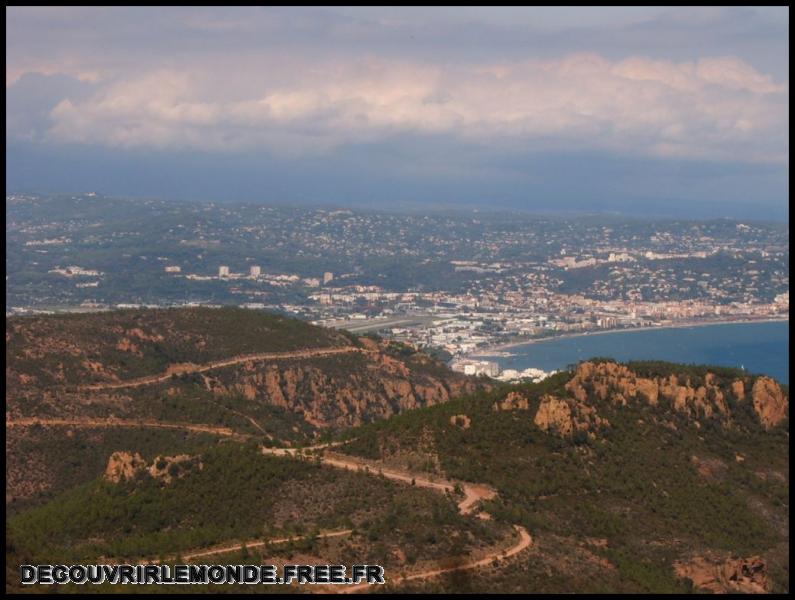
<point x="231" y="502"/>
<point x="647" y="477"/>
<point x="164" y="380"/>
<point x="608" y="477"/>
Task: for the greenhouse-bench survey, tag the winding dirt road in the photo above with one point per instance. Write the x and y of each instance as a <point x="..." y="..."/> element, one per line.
<point x="525" y="541"/>
<point x="188" y="368"/>
<point x="473" y="494"/>
<point x="469" y="504"/>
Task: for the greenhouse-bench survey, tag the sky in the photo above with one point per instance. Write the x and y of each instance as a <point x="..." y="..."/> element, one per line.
<point x="670" y="111"/>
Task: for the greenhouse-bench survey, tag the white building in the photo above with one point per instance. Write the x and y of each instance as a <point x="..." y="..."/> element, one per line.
<point x="327" y="276"/>
<point x="74" y="270"/>
<point x="479" y="367"/>
<point x="173" y="269"/>
<point x="620" y="257"/>
<point x="223" y="271"/>
<point x="255" y="271"/>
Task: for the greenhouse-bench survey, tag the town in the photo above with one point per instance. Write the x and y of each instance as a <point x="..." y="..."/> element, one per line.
<point x="459" y="284"/>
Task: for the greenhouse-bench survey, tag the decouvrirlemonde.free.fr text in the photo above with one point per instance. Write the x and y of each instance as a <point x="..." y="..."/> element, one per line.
<point x="200" y="574"/>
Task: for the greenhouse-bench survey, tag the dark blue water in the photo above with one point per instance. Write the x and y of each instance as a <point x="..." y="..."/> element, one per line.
<point x="759" y="347"/>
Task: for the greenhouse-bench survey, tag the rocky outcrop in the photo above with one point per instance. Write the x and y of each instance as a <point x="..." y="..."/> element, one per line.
<point x="733" y="575"/>
<point x="612" y="381"/>
<point x="695" y="400"/>
<point x="513" y="401"/>
<point x="431" y="391"/>
<point x="390" y="365"/>
<point x="554" y="413"/>
<point x="328" y="378"/>
<point x="325" y="394"/>
<point x="619" y="385"/>
<point x="770" y="403"/>
<point x="738" y="389"/>
<point x="123" y="465"/>
<point x="565" y="416"/>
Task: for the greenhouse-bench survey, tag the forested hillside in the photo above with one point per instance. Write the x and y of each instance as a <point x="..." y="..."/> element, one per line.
<point x="695" y="473"/>
<point x="232" y="494"/>
<point x="178" y="434"/>
<point x="80" y="386"/>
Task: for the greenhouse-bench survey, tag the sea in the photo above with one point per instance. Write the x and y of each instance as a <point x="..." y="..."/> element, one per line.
<point x="759" y="348"/>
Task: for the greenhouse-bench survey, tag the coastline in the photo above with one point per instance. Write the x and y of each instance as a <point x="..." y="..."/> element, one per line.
<point x="491" y="351"/>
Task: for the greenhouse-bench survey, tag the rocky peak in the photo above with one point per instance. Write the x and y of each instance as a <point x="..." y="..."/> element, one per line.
<point x="611" y="380"/>
<point x="554" y="413"/>
<point x="618" y="385"/>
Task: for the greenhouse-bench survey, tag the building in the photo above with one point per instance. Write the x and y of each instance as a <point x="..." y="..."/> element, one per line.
<point x="477" y="367"/>
<point x="223" y="271"/>
<point x="327" y="277"/>
<point x="620" y="257"/>
<point x="173" y="269"/>
<point x="255" y="271"/>
<point x="607" y="322"/>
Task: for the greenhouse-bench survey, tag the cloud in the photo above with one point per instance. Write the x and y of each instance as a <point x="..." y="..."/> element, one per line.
<point x="712" y="108"/>
<point x="307" y="83"/>
<point x="643" y="108"/>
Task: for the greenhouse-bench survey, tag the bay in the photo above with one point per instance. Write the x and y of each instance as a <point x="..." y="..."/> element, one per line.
<point x="758" y="347"/>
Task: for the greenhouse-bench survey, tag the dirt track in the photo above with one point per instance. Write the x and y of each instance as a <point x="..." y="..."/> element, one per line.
<point x="525" y="541"/>
<point x="188" y="368"/>
<point x="473" y="493"/>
